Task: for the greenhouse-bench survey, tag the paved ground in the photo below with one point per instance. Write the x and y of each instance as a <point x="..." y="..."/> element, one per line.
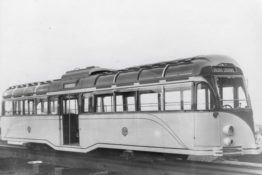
<point x="248" y="158"/>
<point x="14" y="166"/>
<point x="11" y="166"/>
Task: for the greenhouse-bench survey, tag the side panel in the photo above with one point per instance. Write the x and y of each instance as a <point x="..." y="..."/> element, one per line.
<point x="207" y="130"/>
<point x="145" y="129"/>
<point x="160" y="132"/>
<point x="37" y="129"/>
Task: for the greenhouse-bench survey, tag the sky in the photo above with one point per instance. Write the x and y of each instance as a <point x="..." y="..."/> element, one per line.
<point x="42" y="39"/>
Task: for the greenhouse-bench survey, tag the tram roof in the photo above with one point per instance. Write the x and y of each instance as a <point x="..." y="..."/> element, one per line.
<point x="103" y="78"/>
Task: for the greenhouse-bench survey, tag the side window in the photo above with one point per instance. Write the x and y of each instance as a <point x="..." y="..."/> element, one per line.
<point x="178" y="97"/>
<point x="70" y="106"/>
<point x="242" y="98"/>
<point x="31" y="106"/>
<point x="38" y="106"/>
<point x="187" y="99"/>
<point x="173" y="100"/>
<point x="203" y="97"/>
<point x="108" y="103"/>
<point x="228" y="96"/>
<point x="18" y="107"/>
<point x="53" y="105"/>
<point x="130" y="103"/>
<point x="99" y="105"/>
<point x="119" y="103"/>
<point x="125" y="101"/>
<point x="150" y="100"/>
<point x="86" y="102"/>
<point x="26" y="107"/>
<point x="8" y="108"/>
<point x="104" y="103"/>
<point x="21" y="107"/>
<point x="41" y="107"/>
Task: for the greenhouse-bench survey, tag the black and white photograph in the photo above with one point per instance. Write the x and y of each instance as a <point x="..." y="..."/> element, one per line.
<point x="130" y="87"/>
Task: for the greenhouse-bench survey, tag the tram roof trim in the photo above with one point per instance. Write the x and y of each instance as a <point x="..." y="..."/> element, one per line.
<point x="42" y="89"/>
<point x="25" y="89"/>
<point x="105" y="81"/>
<point x="127" y="77"/>
<point x="29" y="91"/>
<point x="151" y="75"/>
<point x="92" y="76"/>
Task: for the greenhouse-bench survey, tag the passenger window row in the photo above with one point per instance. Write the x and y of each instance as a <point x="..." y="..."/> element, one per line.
<point x="31" y="107"/>
<point x="177" y="97"/>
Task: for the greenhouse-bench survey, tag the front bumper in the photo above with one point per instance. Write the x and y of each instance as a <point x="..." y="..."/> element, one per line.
<point x="236" y="150"/>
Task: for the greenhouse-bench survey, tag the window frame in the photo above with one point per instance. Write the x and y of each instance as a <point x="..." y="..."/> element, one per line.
<point x="177" y="85"/>
<point x="156" y="89"/>
<point x="42" y="108"/>
<point x="63" y="108"/>
<point x="102" y="96"/>
<point x="90" y="102"/>
<point x="4" y="108"/>
<point x="125" y="95"/>
<point x="53" y="99"/>
<point x="17" y="111"/>
<point x="31" y="111"/>
<point x="212" y="96"/>
<point x="220" y="97"/>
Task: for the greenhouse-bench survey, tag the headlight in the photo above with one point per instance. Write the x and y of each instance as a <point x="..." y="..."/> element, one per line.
<point x="228" y="141"/>
<point x="228" y="130"/>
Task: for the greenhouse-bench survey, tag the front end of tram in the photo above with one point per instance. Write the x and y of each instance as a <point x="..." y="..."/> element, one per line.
<point x="234" y="111"/>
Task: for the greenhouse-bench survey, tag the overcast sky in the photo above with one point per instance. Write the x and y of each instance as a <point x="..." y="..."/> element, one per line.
<point x="41" y="39"/>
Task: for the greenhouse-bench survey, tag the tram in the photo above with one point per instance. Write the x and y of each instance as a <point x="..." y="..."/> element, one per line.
<point x="192" y="106"/>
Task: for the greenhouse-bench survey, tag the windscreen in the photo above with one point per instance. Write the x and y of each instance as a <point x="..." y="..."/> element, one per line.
<point x="232" y="92"/>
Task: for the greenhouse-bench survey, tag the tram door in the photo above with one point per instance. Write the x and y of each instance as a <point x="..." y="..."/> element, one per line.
<point x="70" y="120"/>
<point x="207" y="125"/>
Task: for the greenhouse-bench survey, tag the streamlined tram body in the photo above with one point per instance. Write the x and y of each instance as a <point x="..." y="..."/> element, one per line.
<point x="193" y="106"/>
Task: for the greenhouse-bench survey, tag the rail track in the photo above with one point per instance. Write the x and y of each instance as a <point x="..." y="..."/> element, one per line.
<point x="112" y="163"/>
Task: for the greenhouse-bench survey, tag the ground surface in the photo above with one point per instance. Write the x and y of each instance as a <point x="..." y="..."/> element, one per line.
<point x="12" y="166"/>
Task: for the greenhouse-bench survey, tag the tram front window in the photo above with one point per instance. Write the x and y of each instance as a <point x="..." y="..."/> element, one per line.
<point x="232" y="92"/>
